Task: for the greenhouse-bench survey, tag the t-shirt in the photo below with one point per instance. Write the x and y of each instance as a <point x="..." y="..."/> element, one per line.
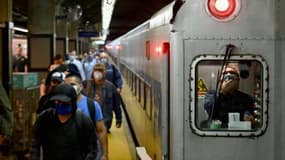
<point x="83" y="107"/>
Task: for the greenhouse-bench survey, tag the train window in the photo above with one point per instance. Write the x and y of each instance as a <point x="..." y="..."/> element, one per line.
<point x="147" y="50"/>
<point x="148" y="101"/>
<point x="229" y="99"/>
<point x="133" y="82"/>
<point x="142" y="93"/>
<point x="129" y="77"/>
<point x="138" y="89"/>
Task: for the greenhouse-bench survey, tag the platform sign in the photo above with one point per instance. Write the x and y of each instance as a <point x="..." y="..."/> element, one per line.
<point x="88" y="34"/>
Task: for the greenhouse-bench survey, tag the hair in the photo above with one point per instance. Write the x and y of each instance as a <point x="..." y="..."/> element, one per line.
<point x="76" y="76"/>
<point x="58" y="57"/>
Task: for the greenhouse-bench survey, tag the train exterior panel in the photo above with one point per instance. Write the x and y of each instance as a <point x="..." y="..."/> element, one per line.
<point x="179" y="62"/>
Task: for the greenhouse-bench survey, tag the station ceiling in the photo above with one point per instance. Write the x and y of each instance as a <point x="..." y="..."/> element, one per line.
<point x="127" y="14"/>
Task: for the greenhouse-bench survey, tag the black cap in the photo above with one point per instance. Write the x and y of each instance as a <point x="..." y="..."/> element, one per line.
<point x="63" y="92"/>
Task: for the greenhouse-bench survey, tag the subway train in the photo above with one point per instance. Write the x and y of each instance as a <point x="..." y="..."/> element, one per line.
<point x="171" y="61"/>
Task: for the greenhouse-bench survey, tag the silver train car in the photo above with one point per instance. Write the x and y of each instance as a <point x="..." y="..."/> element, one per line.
<point x="172" y="60"/>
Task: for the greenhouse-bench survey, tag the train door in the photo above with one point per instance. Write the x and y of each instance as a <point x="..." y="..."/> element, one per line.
<point x="165" y="90"/>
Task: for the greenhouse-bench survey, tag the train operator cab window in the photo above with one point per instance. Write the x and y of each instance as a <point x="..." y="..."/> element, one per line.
<point x="229" y="98"/>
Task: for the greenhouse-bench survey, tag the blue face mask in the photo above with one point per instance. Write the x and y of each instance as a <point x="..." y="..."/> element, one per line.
<point x="63" y="108"/>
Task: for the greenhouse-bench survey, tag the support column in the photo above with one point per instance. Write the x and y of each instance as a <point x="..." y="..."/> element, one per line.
<point x="41" y="42"/>
<point x="61" y="37"/>
<point x="6" y="28"/>
<point x="73" y="36"/>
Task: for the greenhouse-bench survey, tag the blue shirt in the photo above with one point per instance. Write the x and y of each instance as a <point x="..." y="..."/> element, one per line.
<point x="83" y="107"/>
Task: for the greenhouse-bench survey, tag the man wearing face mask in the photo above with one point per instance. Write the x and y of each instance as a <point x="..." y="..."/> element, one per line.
<point x="88" y="64"/>
<point x="63" y="132"/>
<point x="73" y="59"/>
<point x="105" y="93"/>
<point x="112" y="73"/>
<point x="84" y="104"/>
<point x="230" y="99"/>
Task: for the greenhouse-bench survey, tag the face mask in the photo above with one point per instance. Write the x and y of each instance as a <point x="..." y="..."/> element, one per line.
<point x="63" y="108"/>
<point x="98" y="75"/>
<point x="104" y="60"/>
<point x="72" y="58"/>
<point x="76" y="89"/>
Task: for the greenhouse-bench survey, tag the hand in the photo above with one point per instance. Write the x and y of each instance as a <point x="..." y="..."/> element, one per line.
<point x="229" y="86"/>
<point x="118" y="124"/>
<point x="104" y="157"/>
<point x="248" y="117"/>
<point x="119" y="90"/>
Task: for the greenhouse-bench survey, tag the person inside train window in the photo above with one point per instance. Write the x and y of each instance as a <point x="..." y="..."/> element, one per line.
<point x="19" y="61"/>
<point x="229" y="104"/>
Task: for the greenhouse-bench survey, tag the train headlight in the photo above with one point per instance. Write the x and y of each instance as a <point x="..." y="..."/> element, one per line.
<point x="223" y="10"/>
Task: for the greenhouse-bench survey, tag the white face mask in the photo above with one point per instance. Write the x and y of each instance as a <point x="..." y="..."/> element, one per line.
<point x="76" y="89"/>
<point x="98" y="75"/>
<point x="72" y="58"/>
<point x="104" y="60"/>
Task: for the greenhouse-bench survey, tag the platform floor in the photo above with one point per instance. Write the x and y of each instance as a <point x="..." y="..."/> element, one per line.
<point x="120" y="143"/>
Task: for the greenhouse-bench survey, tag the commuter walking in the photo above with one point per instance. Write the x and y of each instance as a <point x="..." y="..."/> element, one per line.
<point x="63" y="132"/>
<point x="105" y="93"/>
<point x="92" y="109"/>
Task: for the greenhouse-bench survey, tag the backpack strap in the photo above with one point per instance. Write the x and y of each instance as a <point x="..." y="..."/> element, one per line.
<point x="88" y="87"/>
<point x="91" y="108"/>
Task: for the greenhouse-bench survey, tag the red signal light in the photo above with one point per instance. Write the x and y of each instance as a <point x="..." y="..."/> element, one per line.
<point x="223" y="10"/>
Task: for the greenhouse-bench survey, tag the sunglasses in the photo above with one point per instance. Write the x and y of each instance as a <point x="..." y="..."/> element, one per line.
<point x="228" y="77"/>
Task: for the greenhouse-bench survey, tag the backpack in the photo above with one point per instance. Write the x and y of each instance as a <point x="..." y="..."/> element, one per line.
<point x="47" y="115"/>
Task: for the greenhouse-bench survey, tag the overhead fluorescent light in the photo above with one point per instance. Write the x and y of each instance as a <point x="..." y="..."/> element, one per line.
<point x="20" y="29"/>
<point x="107" y="11"/>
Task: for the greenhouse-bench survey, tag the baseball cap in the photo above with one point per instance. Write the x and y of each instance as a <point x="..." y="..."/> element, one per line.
<point x="58" y="76"/>
<point x="63" y="92"/>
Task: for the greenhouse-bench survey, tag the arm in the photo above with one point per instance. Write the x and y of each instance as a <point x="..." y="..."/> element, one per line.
<point x="117" y="77"/>
<point x="101" y="130"/>
<point x="102" y="134"/>
<point x="117" y="108"/>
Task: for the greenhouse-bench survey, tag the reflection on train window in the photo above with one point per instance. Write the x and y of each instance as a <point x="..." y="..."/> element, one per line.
<point x="230" y="98"/>
<point x="148" y="101"/>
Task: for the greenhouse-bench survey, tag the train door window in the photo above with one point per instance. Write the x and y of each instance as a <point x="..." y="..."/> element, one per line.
<point x="229" y="99"/>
